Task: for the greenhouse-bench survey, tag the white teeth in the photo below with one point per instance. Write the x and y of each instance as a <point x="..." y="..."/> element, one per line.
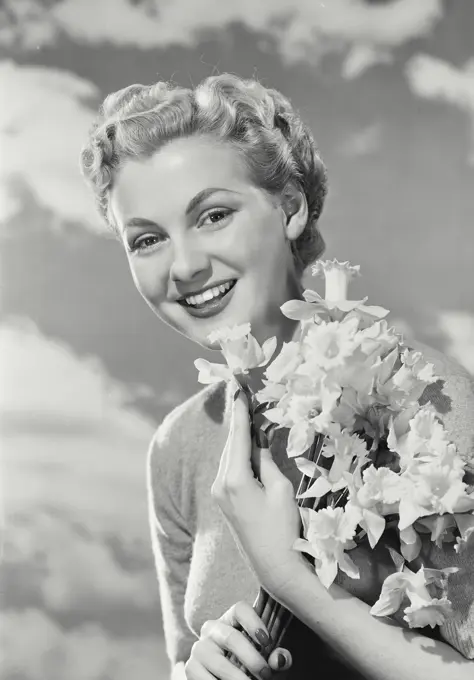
<point x="208" y="294"/>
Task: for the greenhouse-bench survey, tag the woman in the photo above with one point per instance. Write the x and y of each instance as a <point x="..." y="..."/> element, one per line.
<point x="216" y="194"/>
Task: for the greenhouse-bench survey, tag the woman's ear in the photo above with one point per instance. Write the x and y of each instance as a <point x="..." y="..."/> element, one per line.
<point x="295" y="207"/>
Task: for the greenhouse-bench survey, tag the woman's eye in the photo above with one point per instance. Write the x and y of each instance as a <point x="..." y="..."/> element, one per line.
<point x="145" y="242"/>
<point x="216" y="216"/>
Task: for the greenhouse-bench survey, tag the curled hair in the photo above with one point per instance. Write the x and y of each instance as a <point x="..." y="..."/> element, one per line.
<point x="275" y="144"/>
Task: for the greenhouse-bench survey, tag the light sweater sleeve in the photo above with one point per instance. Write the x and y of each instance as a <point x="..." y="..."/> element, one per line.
<point x="171" y="540"/>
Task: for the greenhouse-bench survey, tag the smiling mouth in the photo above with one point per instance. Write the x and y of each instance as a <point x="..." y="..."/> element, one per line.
<point x="209" y="297"/>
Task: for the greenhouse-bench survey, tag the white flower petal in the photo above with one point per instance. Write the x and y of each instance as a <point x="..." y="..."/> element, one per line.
<point x="211" y="373"/>
<point x="299" y="310"/>
<point x="374" y="525"/>
<point x="391" y="595"/>
<point x="433" y="613"/>
<point x="318" y="489"/>
<point x="327" y="571"/>
<point x="347" y="566"/>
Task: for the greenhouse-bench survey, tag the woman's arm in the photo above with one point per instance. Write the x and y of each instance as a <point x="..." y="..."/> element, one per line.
<point x="172" y="548"/>
<point x="378" y="648"/>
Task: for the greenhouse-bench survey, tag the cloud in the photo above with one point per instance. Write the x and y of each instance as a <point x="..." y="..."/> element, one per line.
<point x="79" y="571"/>
<point x="305" y="31"/>
<point x="458" y="329"/>
<point x="35" y="647"/>
<point x="361" y="57"/>
<point x="76" y="536"/>
<point x="71" y="436"/>
<point x="46" y="379"/>
<point x="74" y="450"/>
<point x="433" y="78"/>
<point x="48" y="115"/>
<point x="363" y="142"/>
<point x="43" y="125"/>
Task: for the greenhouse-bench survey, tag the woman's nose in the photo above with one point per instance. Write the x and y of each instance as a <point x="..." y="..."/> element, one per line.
<point x="188" y="262"/>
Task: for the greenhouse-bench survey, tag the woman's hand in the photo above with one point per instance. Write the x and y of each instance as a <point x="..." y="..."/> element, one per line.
<point x="263" y="517"/>
<point x="207" y="658"/>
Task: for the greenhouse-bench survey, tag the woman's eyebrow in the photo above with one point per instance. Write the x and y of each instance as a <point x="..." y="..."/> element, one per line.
<point x="192" y="205"/>
<point x="139" y="222"/>
<point x="202" y="195"/>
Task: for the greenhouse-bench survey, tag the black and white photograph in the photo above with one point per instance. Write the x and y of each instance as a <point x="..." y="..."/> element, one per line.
<point x="237" y="339"/>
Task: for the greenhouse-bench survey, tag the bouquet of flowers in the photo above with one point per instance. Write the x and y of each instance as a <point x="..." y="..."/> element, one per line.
<point x="372" y="457"/>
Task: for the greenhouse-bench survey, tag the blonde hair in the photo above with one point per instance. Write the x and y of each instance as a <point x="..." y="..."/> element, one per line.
<point x="275" y="144"/>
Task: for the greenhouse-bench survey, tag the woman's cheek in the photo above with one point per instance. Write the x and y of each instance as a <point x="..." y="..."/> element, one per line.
<point x="149" y="283"/>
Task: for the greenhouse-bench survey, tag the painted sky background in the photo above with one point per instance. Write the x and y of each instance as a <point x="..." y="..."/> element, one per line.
<point x="87" y="371"/>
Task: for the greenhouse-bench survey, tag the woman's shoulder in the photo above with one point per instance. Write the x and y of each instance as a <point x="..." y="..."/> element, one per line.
<point x="452" y="395"/>
<point x="189" y="436"/>
<point x="189" y="426"/>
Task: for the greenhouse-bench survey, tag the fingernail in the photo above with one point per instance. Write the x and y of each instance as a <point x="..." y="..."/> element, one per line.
<point x="262" y="637"/>
<point x="266" y="673"/>
<point x="281" y="660"/>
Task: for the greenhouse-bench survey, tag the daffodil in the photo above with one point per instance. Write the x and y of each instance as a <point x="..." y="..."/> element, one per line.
<point x="241" y="351"/>
<point x="337" y="276"/>
<point x="329" y="345"/>
<point x="305" y="414"/>
<point x="348" y="390"/>
<point x="285" y="364"/>
<point x="424" y="610"/>
<point x="335" y="304"/>
<point x="347" y="451"/>
<point x="418" y="436"/>
<point x="465" y="524"/>
<point x="431" y="613"/>
<point x="329" y="533"/>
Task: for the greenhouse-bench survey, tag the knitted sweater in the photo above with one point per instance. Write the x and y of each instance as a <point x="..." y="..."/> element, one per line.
<point x="200" y="569"/>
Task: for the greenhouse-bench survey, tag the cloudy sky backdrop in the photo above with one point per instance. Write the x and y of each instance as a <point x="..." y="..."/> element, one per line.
<point x="87" y="372"/>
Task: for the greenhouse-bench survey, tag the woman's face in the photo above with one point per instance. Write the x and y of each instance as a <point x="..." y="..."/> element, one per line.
<point x="206" y="247"/>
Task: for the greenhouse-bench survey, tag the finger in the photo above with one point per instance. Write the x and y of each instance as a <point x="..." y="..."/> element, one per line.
<point x="213" y="666"/>
<point x="244" y="615"/>
<point x="227" y="451"/>
<point x="270" y="473"/>
<point x="194" y="670"/>
<point x="280" y="659"/>
<point x="225" y="638"/>
<point x="238" y="450"/>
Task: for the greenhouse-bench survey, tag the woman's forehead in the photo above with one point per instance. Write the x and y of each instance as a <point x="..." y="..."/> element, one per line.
<point x="192" y="156"/>
<point x="177" y="172"/>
